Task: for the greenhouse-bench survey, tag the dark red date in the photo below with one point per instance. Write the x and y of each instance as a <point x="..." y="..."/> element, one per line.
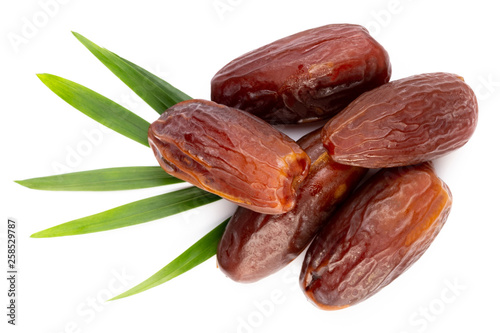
<point x="256" y="245"/>
<point x="230" y="153"/>
<point x="378" y="233"/>
<point x="304" y="77"/>
<point x="404" y="122"/>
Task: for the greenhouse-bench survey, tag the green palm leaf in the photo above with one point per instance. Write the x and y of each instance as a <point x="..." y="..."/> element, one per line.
<point x="110" y="179"/>
<point x="159" y="94"/>
<point x="198" y="253"/>
<point x="99" y="108"/>
<point x="133" y="213"/>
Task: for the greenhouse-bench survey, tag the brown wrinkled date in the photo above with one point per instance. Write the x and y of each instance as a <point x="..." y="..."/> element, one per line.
<point x="404" y="122"/>
<point x="304" y="77"/>
<point x="256" y="245"/>
<point x="379" y="232"/>
<point x="230" y="153"/>
<point x="292" y="194"/>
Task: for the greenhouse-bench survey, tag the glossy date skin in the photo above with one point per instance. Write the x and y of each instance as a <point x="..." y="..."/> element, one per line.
<point x="378" y="233"/>
<point x="304" y="77"/>
<point x="230" y="153"/>
<point x="404" y="122"/>
<point x="255" y="245"/>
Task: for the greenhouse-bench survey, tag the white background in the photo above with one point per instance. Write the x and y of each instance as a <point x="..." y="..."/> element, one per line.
<point x="63" y="281"/>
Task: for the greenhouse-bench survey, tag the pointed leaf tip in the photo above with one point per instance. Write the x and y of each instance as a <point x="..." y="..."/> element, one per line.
<point x="199" y="252"/>
<point x="156" y="92"/>
<point x="107" y="179"/>
<point x="99" y="108"/>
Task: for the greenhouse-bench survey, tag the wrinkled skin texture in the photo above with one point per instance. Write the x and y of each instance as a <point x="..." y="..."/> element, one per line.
<point x="256" y="245"/>
<point x="404" y="122"/>
<point x="230" y="153"/>
<point x="378" y="233"/>
<point x="304" y="77"/>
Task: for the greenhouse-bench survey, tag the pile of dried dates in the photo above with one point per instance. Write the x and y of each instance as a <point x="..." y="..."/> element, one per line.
<point x="363" y="233"/>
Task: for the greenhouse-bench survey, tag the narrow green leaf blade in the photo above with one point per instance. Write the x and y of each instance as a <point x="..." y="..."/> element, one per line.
<point x="109" y="179"/>
<point x="133" y="213"/>
<point x="198" y="253"/>
<point x="99" y="108"/>
<point x="159" y="94"/>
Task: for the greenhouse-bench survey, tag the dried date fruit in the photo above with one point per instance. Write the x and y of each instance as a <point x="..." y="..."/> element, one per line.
<point x="404" y="122"/>
<point x="230" y="153"/>
<point x="375" y="236"/>
<point x="304" y="77"/>
<point x="256" y="245"/>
